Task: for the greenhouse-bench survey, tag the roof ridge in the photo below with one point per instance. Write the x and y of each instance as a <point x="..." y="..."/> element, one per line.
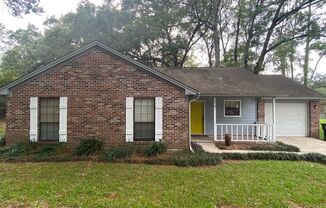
<point x="4" y="90"/>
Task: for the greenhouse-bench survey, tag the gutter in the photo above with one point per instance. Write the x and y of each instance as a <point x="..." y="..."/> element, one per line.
<point x="189" y="119"/>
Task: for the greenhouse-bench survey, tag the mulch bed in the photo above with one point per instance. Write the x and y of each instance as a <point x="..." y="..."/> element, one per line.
<point x="241" y="145"/>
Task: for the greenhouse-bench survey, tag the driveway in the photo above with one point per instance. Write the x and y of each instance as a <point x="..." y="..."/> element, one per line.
<point x="305" y="144"/>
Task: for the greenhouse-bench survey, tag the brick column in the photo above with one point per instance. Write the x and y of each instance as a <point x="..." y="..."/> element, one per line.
<point x="260" y="110"/>
<point x="314" y="109"/>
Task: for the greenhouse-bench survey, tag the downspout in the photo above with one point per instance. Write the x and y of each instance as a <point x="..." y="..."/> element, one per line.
<point x="189" y="123"/>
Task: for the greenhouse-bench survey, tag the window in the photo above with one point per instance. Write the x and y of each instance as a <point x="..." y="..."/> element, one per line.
<point x="232" y="108"/>
<point x="49" y="119"/>
<point x="144" y="125"/>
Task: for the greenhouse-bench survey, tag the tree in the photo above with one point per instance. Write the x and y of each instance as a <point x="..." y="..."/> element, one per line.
<point x="278" y="15"/>
<point x="164" y="30"/>
<point x="320" y="48"/>
<point x="21" y="7"/>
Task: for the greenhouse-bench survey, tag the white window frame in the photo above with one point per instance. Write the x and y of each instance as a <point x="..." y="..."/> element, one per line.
<point x="234" y="116"/>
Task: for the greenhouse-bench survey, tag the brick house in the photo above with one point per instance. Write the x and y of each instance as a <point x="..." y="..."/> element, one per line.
<point x="99" y="92"/>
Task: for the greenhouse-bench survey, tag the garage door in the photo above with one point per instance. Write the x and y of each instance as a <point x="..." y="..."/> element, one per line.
<point x="291" y="118"/>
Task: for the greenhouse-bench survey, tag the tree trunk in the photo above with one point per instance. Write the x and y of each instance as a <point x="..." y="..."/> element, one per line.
<point x="235" y="55"/>
<point x="291" y="66"/>
<point x="307" y="51"/>
<point x="260" y="62"/>
<point x="216" y="35"/>
<point x="283" y="65"/>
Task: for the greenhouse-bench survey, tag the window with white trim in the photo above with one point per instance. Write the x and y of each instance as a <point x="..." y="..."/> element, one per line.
<point x="232" y="108"/>
<point x="144" y="119"/>
<point x="49" y="119"/>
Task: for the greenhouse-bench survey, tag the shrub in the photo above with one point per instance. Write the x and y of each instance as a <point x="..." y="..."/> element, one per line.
<point x="120" y="152"/>
<point x="47" y="150"/>
<point x="310" y="157"/>
<point x="2" y="141"/>
<point x="155" y="149"/>
<point x="278" y="146"/>
<point x="187" y="159"/>
<point x="315" y="157"/>
<point x="198" y="159"/>
<point x="260" y="156"/>
<point x="196" y="147"/>
<point x="89" y="147"/>
<point x="22" y="148"/>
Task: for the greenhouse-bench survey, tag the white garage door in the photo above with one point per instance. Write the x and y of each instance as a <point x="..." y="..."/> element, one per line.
<point x="291" y="118"/>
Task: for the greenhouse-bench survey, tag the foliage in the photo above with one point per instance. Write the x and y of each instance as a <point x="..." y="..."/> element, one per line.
<point x="196" y="147"/>
<point x="20" y="7"/>
<point x="166" y="33"/>
<point x="18" y="149"/>
<point x="321" y="131"/>
<point x="89" y="147"/>
<point x="198" y="159"/>
<point x="36" y="151"/>
<point x="120" y="152"/>
<point x="311" y="157"/>
<point x="278" y="146"/>
<point x="2" y="141"/>
<point x="155" y="149"/>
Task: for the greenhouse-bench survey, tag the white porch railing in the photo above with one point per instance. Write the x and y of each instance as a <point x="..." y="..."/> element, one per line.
<point x="245" y="132"/>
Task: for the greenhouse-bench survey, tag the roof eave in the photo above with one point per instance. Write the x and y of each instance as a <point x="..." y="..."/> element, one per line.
<point x="280" y="97"/>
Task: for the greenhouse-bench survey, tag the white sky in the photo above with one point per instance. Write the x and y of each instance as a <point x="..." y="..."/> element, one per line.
<point x="61" y="7"/>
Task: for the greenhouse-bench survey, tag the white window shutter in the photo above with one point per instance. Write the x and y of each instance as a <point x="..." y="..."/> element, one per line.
<point x="129" y="119"/>
<point x="63" y="120"/>
<point x="158" y="119"/>
<point x="33" y="121"/>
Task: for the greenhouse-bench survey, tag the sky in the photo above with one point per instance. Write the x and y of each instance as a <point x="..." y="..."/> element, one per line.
<point x="58" y="8"/>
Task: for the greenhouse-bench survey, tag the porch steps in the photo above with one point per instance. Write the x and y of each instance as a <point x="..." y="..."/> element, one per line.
<point x="202" y="139"/>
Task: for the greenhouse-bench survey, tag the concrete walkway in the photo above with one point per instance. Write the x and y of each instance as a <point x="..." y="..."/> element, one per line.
<point x="305" y="144"/>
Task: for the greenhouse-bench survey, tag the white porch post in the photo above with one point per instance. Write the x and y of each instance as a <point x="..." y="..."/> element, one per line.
<point x="274" y="118"/>
<point x="215" y="127"/>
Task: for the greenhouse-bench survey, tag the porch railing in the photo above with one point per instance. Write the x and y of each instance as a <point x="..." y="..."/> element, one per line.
<point x="245" y="132"/>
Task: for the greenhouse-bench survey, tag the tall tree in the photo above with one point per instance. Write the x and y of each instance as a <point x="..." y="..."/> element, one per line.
<point x="21" y="7"/>
<point x="168" y="32"/>
<point x="307" y="48"/>
<point x="279" y="15"/>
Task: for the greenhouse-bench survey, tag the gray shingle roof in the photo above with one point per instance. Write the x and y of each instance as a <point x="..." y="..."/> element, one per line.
<point x="239" y="82"/>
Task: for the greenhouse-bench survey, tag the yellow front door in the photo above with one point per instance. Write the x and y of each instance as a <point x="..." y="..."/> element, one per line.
<point x="197" y="117"/>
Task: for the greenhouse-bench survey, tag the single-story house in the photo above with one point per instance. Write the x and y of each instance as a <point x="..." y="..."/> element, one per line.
<point x="99" y="92"/>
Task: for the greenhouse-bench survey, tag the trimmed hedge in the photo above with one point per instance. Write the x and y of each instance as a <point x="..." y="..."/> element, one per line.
<point x="310" y="157"/>
<point x="89" y="147"/>
<point x="278" y="146"/>
<point x="187" y="159"/>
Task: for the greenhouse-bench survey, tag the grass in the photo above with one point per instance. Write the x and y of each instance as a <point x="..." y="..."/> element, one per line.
<point x="91" y="184"/>
<point x="321" y="130"/>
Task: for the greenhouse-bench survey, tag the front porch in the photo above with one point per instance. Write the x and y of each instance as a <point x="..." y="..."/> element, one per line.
<point x="213" y="117"/>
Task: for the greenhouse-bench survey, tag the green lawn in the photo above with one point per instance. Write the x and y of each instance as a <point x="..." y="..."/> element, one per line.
<point x="90" y="184"/>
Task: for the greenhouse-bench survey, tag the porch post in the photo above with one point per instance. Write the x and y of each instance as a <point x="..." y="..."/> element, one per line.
<point x="215" y="127"/>
<point x="274" y="118"/>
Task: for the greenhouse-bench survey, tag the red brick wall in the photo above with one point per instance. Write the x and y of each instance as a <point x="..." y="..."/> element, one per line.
<point x="260" y="110"/>
<point x="97" y="84"/>
<point x="314" y="108"/>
